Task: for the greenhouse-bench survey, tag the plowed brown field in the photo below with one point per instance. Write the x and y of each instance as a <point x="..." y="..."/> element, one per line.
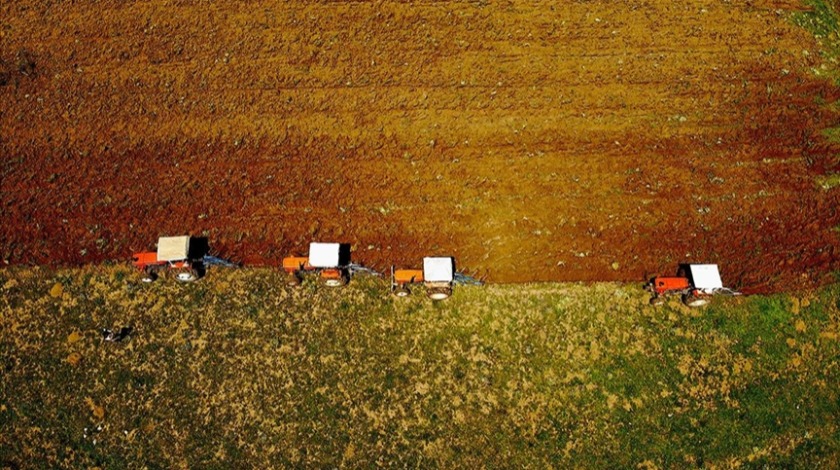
<point x="586" y="140"/>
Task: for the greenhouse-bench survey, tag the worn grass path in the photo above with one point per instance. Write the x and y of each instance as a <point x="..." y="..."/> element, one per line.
<point x="238" y="370"/>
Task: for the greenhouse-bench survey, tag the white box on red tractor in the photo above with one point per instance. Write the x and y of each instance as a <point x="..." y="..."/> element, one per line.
<point x="705" y="277"/>
<point x="173" y="248"/>
<point x="438" y="269"/>
<point x="324" y="255"/>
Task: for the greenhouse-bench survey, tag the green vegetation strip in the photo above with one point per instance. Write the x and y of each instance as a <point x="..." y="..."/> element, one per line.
<point x="238" y="370"/>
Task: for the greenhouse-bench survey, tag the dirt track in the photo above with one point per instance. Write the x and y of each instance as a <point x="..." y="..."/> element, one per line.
<point x="578" y="141"/>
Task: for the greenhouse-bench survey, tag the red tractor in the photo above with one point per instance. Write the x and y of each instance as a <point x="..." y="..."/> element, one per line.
<point x="330" y="261"/>
<point x="437" y="275"/>
<point x="695" y="283"/>
<point x="173" y="254"/>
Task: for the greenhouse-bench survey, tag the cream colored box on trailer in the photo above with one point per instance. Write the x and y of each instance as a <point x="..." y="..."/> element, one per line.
<point x="324" y="255"/>
<point x="705" y="277"/>
<point x="438" y="269"/>
<point x="173" y="248"/>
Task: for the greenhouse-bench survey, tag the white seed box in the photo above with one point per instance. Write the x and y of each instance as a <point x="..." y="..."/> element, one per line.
<point x="438" y="269"/>
<point x="324" y="255"/>
<point x="173" y="248"/>
<point x="705" y="276"/>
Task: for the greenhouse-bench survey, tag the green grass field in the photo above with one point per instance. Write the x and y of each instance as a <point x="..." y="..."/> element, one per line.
<point x="239" y="370"/>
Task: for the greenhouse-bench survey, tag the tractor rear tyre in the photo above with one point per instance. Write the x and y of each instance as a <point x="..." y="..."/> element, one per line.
<point x="186" y="275"/>
<point x="149" y="275"/>
<point x="293" y="280"/>
<point x="336" y="282"/>
<point x="439" y="293"/>
<point x="694" y="301"/>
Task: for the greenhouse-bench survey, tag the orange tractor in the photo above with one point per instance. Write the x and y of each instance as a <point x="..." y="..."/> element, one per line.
<point x="437" y="275"/>
<point x="173" y="254"/>
<point x="695" y="283"/>
<point x="330" y="261"/>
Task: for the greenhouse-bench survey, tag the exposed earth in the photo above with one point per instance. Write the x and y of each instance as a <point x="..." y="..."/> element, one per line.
<point x="531" y="140"/>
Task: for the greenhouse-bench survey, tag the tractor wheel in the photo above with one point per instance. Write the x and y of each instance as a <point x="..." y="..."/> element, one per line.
<point x="439" y="293"/>
<point x="657" y="300"/>
<point x="293" y="280"/>
<point x="694" y="301"/>
<point x="149" y="275"/>
<point x="186" y="275"/>
<point x="341" y="281"/>
<point x="402" y="291"/>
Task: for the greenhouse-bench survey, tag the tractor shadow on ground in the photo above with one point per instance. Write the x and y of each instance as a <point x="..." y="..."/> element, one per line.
<point x="199" y="248"/>
<point x="343" y="254"/>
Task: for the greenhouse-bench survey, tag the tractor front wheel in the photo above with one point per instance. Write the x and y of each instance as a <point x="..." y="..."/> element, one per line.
<point x="149" y="275"/>
<point x="187" y="275"/>
<point x="402" y="291"/>
<point x="335" y="281"/>
<point x="293" y="280"/>
<point x="694" y="301"/>
<point x="439" y="293"/>
<point x="657" y="300"/>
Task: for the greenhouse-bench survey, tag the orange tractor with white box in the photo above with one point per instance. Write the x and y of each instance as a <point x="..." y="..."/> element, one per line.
<point x="330" y="261"/>
<point x="174" y="254"/>
<point x="694" y="283"/>
<point x="437" y="275"/>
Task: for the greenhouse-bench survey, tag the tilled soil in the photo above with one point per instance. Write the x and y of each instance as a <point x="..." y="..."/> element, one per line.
<point x="532" y="140"/>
